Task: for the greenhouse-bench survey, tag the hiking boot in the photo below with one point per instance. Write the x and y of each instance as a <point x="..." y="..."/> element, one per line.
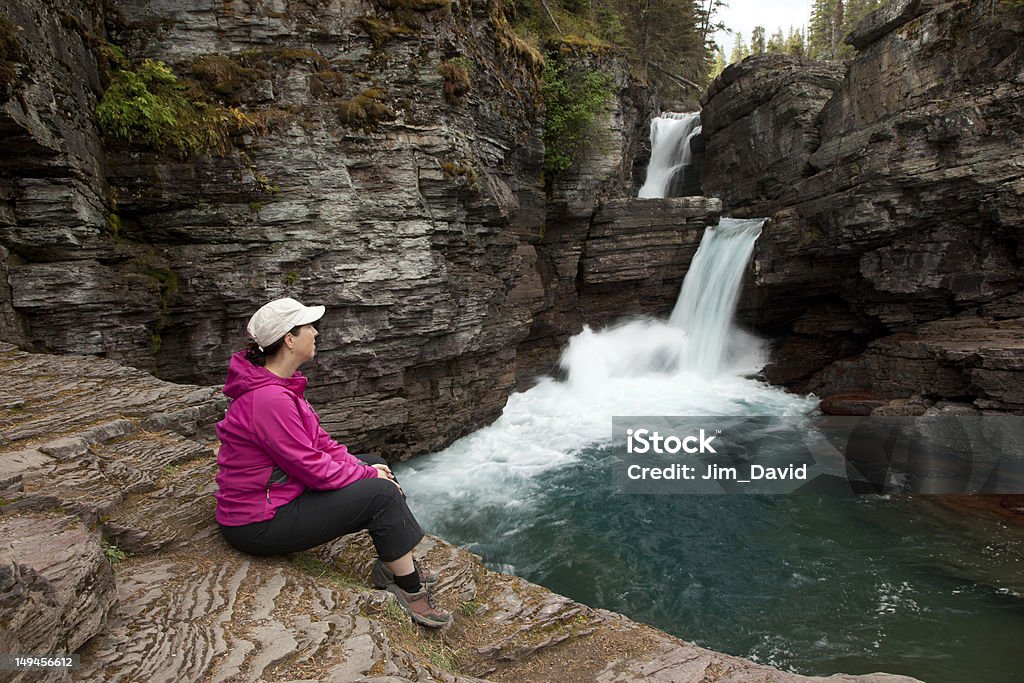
<point x="421" y="607"/>
<point x="381" y="576"/>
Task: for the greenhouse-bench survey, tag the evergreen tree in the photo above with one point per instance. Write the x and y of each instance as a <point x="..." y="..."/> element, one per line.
<point x="795" y="44"/>
<point x="831" y="22"/>
<point x="757" y="45"/>
<point x="739" y="49"/>
<point x="777" y="43"/>
<point x="718" y="64"/>
<point x="707" y="13"/>
<point x="664" y="40"/>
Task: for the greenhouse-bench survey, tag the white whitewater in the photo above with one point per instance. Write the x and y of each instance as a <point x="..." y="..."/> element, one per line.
<point x="696" y="363"/>
<point x="670" y="151"/>
<point x="709" y="296"/>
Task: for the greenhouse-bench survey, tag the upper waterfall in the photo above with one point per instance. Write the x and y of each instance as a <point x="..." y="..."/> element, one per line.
<point x="670" y="151"/>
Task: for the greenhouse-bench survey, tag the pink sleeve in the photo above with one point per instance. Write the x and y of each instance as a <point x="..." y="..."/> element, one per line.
<point x="280" y="430"/>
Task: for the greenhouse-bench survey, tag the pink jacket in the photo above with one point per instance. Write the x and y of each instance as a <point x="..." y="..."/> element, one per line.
<point x="272" y="446"/>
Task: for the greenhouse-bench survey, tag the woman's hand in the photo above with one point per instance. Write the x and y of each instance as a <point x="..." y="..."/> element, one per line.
<point x="384" y="472"/>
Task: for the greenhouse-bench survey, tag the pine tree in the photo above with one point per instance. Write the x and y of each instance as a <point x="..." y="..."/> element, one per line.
<point x="739" y="49"/>
<point x="831" y="22"/>
<point x="777" y="43"/>
<point x="757" y="46"/>
<point x="664" y="39"/>
<point x="718" y="64"/>
<point x="795" y="44"/>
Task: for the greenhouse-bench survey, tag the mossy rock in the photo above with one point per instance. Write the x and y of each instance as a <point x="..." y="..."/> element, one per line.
<point x="414" y="5"/>
<point x="146" y="106"/>
<point x="381" y="31"/>
<point x="456" y="81"/>
<point x="223" y="76"/>
<point x="328" y="84"/>
<point x="10" y="53"/>
<point x="365" y="110"/>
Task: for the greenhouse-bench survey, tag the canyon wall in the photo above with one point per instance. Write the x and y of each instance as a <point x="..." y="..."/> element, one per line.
<point x="382" y="158"/>
<point x="891" y="267"/>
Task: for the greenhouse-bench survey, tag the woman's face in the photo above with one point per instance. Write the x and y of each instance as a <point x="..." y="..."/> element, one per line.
<point x="305" y="342"/>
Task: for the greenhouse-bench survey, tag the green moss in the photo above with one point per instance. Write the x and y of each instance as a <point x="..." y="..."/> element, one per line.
<point x="294" y="55"/>
<point x="381" y="31"/>
<point x="145" y="106"/>
<point x="365" y="110"/>
<point x="10" y="51"/>
<point x="573" y="100"/>
<point x="114" y="223"/>
<point x="222" y="75"/>
<point x="166" y="281"/>
<point x="456" y="81"/>
<point x="512" y="44"/>
<point x="155" y="342"/>
<point x="291" y="278"/>
<point x="327" y="84"/>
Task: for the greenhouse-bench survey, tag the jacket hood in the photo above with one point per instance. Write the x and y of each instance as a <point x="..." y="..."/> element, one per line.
<point x="244" y="376"/>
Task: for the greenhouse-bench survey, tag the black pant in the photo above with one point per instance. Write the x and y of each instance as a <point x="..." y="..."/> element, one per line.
<point x="316" y="517"/>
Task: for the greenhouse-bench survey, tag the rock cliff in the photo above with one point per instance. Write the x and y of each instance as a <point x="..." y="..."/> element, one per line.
<point x="891" y="268"/>
<point x="110" y="550"/>
<point x="383" y="158"/>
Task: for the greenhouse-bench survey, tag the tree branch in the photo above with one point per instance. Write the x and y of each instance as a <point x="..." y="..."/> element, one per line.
<point x="678" y="79"/>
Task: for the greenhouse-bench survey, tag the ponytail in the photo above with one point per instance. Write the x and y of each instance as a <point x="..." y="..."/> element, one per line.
<point x="257" y="356"/>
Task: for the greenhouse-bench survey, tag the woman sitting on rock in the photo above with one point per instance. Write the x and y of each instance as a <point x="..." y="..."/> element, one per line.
<point x="285" y="485"/>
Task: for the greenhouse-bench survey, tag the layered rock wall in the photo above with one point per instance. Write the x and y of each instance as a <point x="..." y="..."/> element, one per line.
<point x="897" y="208"/>
<point x="367" y="175"/>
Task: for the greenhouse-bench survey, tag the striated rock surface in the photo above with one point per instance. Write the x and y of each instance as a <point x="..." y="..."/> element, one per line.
<point x="95" y="452"/>
<point x="364" y="178"/>
<point x="637" y="252"/>
<point x="892" y="261"/>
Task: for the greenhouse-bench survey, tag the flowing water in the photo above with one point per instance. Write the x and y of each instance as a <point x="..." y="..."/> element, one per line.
<point x="813" y="584"/>
<point x="670" y="151"/>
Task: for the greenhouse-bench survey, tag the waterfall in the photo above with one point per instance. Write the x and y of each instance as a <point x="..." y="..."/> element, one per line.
<point x="710" y="293"/>
<point x="695" y="363"/>
<point x="670" y="151"/>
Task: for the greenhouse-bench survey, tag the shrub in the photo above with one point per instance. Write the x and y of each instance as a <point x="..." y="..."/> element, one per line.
<point x="146" y="106"/>
<point x="573" y="100"/>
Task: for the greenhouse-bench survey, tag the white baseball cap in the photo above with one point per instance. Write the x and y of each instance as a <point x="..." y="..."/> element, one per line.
<point x="277" y="318"/>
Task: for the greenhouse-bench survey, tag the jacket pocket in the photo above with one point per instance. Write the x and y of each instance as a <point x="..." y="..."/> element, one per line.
<point x="278" y="476"/>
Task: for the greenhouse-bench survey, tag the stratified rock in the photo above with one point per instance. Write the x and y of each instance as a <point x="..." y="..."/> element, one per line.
<point x="637" y="253"/>
<point x="89" y="436"/>
<point x="759" y="124"/>
<point x="56" y="587"/>
<point x="908" y="212"/>
<point x="136" y="457"/>
<point x="630" y="256"/>
<point x="418" y="219"/>
<point x="961" y="357"/>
